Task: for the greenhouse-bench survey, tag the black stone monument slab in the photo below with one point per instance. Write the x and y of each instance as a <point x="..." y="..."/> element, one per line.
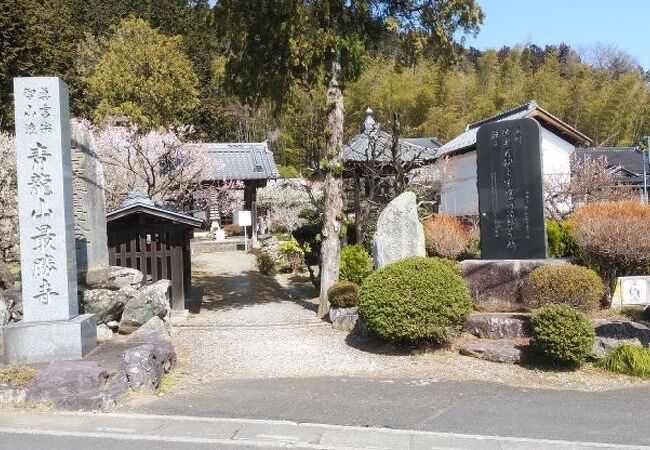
<point x="511" y="202"/>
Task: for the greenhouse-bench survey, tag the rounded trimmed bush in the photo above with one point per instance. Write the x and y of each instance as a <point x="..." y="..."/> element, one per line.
<point x="343" y="294"/>
<point x="266" y="264"/>
<point x="563" y="334"/>
<point x="566" y="284"/>
<point x="415" y="299"/>
<point x="356" y="264"/>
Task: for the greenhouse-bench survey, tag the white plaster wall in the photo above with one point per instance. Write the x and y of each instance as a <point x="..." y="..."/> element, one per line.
<point x="459" y="195"/>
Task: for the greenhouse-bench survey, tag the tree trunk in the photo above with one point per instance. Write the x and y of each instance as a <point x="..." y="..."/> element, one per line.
<point x="331" y="244"/>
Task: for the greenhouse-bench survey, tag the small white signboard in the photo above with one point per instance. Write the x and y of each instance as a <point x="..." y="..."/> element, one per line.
<point x="243" y="218"/>
<point x="631" y="291"/>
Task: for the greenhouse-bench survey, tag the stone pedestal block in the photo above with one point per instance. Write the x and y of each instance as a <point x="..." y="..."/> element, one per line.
<point x="496" y="285"/>
<point x="36" y="342"/>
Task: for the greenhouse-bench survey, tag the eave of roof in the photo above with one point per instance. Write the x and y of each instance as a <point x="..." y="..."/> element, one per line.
<point x="140" y="207"/>
<point x="241" y="161"/>
<point x="466" y="141"/>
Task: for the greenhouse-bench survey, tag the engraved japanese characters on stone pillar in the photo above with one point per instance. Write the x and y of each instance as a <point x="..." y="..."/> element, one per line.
<point x="511" y="203"/>
<point x="47" y="247"/>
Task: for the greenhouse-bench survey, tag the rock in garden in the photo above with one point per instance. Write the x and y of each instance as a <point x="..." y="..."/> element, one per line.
<point x="113" y="325"/>
<point x="622" y="330"/>
<point x="7" y="279"/>
<point x="498" y="326"/>
<point x="70" y="385"/>
<point x="153" y="325"/>
<point x="14" y="298"/>
<point x="604" y="346"/>
<point x="497" y="285"/>
<point x="142" y="369"/>
<point x="399" y="231"/>
<point x="343" y="319"/>
<point x="503" y="352"/>
<point x="104" y="333"/>
<point x="150" y="301"/>
<point x="107" y="305"/>
<point x="114" y="278"/>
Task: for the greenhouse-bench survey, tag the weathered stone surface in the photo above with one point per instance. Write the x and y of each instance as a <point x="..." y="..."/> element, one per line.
<point x="150" y="301"/>
<point x="153" y="325"/>
<point x="604" y="346"/>
<point x="622" y="329"/>
<point x="268" y="241"/>
<point x="146" y="363"/>
<point x="35" y="342"/>
<point x="498" y="326"/>
<point x="12" y="394"/>
<point x="104" y="333"/>
<point x="142" y="369"/>
<point x="343" y="319"/>
<point x="47" y="247"/>
<point x="107" y="305"/>
<point x="497" y="285"/>
<point x="5" y="311"/>
<point x="399" y="231"/>
<point x="7" y="280"/>
<point x="70" y="385"/>
<point x="13" y="298"/>
<point x="503" y="352"/>
<point x="88" y="201"/>
<point x="114" y="278"/>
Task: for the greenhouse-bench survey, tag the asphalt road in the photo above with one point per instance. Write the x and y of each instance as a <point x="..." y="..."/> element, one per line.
<point x="616" y="416"/>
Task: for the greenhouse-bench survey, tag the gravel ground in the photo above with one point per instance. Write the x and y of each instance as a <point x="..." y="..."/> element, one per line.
<point x="250" y="328"/>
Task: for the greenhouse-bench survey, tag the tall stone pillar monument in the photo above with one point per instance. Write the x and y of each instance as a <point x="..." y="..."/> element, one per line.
<point x="52" y="327"/>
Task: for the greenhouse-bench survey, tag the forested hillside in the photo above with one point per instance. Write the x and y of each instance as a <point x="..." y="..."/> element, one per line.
<point x="602" y="92"/>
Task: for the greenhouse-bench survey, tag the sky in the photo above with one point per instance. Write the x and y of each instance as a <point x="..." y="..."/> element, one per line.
<point x="579" y="23"/>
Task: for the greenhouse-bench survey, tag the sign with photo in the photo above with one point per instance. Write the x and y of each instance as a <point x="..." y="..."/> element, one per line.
<point x="631" y="291"/>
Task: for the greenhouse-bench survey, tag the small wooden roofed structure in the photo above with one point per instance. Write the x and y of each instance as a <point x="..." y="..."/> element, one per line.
<point x="154" y="240"/>
<point x="252" y="164"/>
<point x="466" y="141"/>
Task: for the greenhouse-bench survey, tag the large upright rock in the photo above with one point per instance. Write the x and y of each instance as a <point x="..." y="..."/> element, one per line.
<point x="107" y="305"/>
<point x="399" y="232"/>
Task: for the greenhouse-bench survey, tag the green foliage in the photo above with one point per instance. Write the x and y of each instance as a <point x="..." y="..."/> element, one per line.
<point x="413" y="300"/>
<point x="343" y="294"/>
<point x="309" y="236"/>
<point x="144" y="75"/>
<point x="292" y="253"/>
<point x="628" y="359"/>
<point x="560" y="242"/>
<point x="288" y="172"/>
<point x="356" y="264"/>
<point x="563" y="334"/>
<point x="568" y="284"/>
<point x="266" y="264"/>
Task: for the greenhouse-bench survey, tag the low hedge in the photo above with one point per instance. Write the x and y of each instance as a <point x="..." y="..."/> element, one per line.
<point x="566" y="284"/>
<point x="266" y="264"/>
<point x="563" y="334"/>
<point x="343" y="294"/>
<point x="413" y="300"/>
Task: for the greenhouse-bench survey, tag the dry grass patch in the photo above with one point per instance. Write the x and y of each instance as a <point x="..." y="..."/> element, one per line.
<point x="17" y="376"/>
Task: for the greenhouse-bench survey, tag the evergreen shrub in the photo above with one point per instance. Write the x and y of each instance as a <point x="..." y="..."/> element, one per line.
<point x="356" y="264"/>
<point x="566" y="284"/>
<point x="563" y="334"/>
<point x="560" y="241"/>
<point x="343" y="294"/>
<point x="266" y="264"/>
<point x="414" y="300"/>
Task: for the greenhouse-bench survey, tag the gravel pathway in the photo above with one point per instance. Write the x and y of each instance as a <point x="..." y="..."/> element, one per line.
<point x="249" y="328"/>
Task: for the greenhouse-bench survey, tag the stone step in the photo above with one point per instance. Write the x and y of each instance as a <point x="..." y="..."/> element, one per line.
<point x="498" y="326"/>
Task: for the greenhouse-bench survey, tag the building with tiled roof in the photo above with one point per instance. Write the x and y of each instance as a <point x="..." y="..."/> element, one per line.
<point x="241" y="161"/>
<point x="456" y="160"/>
<point x="627" y="164"/>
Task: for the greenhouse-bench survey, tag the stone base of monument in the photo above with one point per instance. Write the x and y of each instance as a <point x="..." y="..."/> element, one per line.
<point x="497" y="285"/>
<point x="37" y="342"/>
